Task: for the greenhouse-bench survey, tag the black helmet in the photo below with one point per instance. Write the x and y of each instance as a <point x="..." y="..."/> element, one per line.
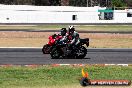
<point x="63" y="31"/>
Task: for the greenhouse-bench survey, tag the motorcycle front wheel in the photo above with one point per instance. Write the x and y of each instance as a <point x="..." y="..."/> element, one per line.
<point x="46" y="49"/>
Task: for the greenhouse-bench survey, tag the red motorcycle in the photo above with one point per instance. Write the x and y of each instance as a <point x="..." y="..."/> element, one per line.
<point x="52" y="40"/>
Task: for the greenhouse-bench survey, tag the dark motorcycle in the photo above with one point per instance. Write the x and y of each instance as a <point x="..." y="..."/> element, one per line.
<point x="64" y="51"/>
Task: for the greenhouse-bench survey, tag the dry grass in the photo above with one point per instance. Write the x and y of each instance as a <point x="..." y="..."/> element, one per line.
<point x="22" y="42"/>
<point x="38" y="39"/>
<point x="109" y="40"/>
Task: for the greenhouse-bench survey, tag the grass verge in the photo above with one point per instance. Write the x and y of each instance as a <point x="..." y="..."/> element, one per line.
<point x="57" y="77"/>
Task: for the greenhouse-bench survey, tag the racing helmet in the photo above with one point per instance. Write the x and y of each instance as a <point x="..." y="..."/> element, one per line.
<point x="71" y="29"/>
<point x="63" y="31"/>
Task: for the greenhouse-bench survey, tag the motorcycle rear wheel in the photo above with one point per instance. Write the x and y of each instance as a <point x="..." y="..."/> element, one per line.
<point x="84" y="50"/>
<point x="55" y="54"/>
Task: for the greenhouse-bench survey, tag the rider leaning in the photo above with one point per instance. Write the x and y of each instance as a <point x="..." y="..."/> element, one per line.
<point x="63" y="35"/>
<point x="73" y="36"/>
<point x="63" y="31"/>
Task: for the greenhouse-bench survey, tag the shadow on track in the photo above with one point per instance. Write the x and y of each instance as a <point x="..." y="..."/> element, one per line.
<point x="72" y="58"/>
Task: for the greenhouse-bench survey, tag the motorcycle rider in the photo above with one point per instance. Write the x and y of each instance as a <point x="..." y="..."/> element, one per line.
<point x="62" y="36"/>
<point x="73" y="37"/>
<point x="63" y="31"/>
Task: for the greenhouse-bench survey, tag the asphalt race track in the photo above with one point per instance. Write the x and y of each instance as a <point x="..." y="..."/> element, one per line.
<point x="23" y="56"/>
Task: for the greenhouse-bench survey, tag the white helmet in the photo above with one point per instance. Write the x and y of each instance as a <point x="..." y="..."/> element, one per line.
<point x="70" y="27"/>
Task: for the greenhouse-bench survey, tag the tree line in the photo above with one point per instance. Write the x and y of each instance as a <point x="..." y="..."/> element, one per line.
<point x="81" y="3"/>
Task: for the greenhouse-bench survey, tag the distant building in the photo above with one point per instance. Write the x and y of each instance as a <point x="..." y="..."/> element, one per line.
<point x="62" y="15"/>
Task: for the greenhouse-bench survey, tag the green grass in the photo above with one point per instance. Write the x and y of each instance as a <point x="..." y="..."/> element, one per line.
<point x="42" y="27"/>
<point x="106" y="28"/>
<point x="42" y="76"/>
<point x="78" y="27"/>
